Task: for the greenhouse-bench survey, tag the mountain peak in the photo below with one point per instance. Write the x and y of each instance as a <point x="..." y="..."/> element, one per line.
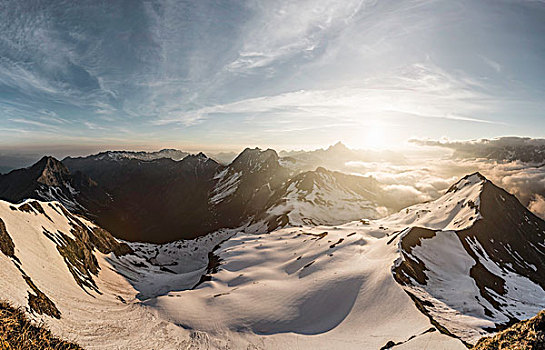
<point x="50" y="171"/>
<point x="251" y="155"/>
<point x="476" y="175"/>
<point x="199" y="156"/>
<point x="47" y="161"/>
<point x="249" y="150"/>
<point x="321" y="170"/>
<point x="339" y="146"/>
<point x="500" y="239"/>
<point x="468" y="180"/>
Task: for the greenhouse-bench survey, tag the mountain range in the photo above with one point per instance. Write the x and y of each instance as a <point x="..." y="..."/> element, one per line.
<point x="145" y="197"/>
<point x="255" y="254"/>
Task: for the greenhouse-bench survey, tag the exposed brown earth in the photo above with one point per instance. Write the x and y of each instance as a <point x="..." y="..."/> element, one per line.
<point x="6" y="244"/>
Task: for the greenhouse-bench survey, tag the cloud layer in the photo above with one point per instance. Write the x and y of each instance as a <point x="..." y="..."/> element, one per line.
<point x="515" y="164"/>
<point x="523" y="149"/>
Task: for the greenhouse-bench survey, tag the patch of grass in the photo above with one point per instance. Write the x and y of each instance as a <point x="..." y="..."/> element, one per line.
<point x="18" y="333"/>
<point x="525" y="335"/>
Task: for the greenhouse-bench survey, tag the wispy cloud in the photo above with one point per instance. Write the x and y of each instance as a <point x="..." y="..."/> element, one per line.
<point x="424" y="91"/>
<point x="493" y="64"/>
<point x="282" y="29"/>
<point x="34" y="123"/>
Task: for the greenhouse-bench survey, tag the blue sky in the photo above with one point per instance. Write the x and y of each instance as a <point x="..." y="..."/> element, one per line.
<point x="285" y="74"/>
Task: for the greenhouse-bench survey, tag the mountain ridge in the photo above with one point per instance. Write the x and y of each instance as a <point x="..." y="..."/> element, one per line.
<point x="209" y="195"/>
<point x="497" y="253"/>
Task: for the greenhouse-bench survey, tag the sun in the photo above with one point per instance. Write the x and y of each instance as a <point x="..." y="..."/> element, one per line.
<point x="369" y="136"/>
<point x="374" y="137"/>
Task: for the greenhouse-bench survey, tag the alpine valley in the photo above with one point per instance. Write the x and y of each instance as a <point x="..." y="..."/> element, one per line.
<point x="171" y="250"/>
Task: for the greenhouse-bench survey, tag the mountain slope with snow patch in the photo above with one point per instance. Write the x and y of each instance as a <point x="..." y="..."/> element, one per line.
<point x="324" y="197"/>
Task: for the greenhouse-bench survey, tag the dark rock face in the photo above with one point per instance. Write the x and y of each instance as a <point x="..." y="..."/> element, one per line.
<point x="39" y="302"/>
<point x="54" y="173"/>
<point x="155" y="201"/>
<point x="412" y="266"/>
<point x="259" y="174"/>
<point x="49" y="179"/>
<point x="6" y="243"/>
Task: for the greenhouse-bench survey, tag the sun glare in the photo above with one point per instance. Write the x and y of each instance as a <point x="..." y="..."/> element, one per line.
<point x="374" y="137"/>
<point x="371" y="136"/>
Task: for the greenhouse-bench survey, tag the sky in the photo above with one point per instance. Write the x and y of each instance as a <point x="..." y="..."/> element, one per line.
<point x="222" y="75"/>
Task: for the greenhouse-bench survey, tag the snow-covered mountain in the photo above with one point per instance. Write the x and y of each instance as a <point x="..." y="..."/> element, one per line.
<point x="318" y="289"/>
<point x="435" y="275"/>
<point x="46" y="247"/>
<point x="257" y="189"/>
<point x="244" y="187"/>
<point x="168" y="153"/>
<point x="324" y="197"/>
<point x="474" y="259"/>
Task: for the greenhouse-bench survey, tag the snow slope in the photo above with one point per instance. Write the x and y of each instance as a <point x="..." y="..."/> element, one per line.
<point x="455" y="210"/>
<point x="352" y="286"/>
<point x="293" y="286"/>
<point x="94" y="319"/>
<point x="309" y="287"/>
<point x="323" y="197"/>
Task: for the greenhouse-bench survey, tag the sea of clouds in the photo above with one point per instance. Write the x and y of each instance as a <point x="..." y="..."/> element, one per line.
<point x="425" y="179"/>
